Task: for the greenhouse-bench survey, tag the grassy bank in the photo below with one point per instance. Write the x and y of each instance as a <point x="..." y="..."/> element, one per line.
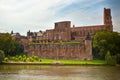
<point x="22" y="59"/>
<point x="74" y="62"/>
<point x="61" y="62"/>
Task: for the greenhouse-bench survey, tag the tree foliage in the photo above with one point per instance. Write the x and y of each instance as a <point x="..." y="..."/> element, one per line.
<point x="118" y="58"/>
<point x="18" y="49"/>
<point x="2" y="55"/>
<point x="104" y="41"/>
<point x="109" y="59"/>
<point x="8" y="45"/>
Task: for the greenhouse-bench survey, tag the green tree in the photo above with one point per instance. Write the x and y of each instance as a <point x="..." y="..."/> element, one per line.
<point x="18" y="49"/>
<point x="104" y="41"/>
<point x="6" y="43"/>
<point x="2" y="56"/>
<point x="118" y="58"/>
<point x="9" y="45"/>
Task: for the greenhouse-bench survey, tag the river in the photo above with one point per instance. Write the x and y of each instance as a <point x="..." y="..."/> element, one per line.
<point x="40" y="72"/>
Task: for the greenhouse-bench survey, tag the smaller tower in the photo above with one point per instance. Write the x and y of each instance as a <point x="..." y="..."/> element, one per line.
<point x="88" y="48"/>
<point x="12" y="32"/>
<point x="73" y="26"/>
<point x="28" y="33"/>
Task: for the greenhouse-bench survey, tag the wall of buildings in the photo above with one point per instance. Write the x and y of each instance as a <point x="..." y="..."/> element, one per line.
<point x="61" y="51"/>
<point x="63" y="32"/>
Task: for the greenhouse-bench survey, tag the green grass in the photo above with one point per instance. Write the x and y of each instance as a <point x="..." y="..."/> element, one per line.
<point x="72" y="62"/>
<point x="92" y="62"/>
<point x="35" y="59"/>
<point x="56" y="43"/>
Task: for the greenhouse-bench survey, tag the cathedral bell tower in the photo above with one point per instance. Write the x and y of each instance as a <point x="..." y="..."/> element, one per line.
<point x="108" y="19"/>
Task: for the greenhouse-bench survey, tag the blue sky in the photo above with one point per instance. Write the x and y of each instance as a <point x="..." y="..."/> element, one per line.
<point x="23" y="15"/>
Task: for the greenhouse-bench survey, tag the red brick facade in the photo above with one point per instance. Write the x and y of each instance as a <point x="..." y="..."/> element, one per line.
<point x="64" y="32"/>
<point x="58" y="51"/>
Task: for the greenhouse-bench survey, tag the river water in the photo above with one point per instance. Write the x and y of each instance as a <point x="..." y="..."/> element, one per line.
<point x="38" y="72"/>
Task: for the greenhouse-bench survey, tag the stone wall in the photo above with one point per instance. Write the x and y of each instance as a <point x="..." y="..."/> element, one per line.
<point x="61" y="51"/>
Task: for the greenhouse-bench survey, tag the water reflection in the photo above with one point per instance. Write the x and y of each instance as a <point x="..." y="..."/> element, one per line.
<point x="37" y="72"/>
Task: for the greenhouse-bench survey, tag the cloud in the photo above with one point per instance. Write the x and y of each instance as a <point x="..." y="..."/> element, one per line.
<point x="84" y="12"/>
<point x="22" y="15"/>
<point x="29" y="12"/>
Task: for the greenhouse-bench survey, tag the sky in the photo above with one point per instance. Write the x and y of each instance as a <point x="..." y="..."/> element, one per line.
<point x="35" y="15"/>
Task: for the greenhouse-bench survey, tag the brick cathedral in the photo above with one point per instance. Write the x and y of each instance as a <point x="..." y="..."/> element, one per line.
<point x="44" y="43"/>
<point x="64" y="32"/>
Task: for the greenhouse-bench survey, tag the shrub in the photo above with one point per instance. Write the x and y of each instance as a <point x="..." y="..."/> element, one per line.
<point x="24" y="56"/>
<point x="114" y="61"/>
<point x="24" y="59"/>
<point x="6" y="59"/>
<point x="27" y="60"/>
<point x="31" y="59"/>
<point x="118" y="58"/>
<point x="35" y="58"/>
<point x="2" y="56"/>
<point x="12" y="58"/>
<point x="109" y="59"/>
<point x="16" y="59"/>
<point x="20" y="58"/>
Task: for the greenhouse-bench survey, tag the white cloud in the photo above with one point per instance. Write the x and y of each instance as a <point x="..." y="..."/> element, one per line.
<point x="29" y="12"/>
<point x="22" y="15"/>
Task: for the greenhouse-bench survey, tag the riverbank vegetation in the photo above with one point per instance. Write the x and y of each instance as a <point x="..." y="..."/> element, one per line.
<point x="2" y="56"/>
<point x="35" y="59"/>
<point x="106" y="46"/>
<point x="21" y="58"/>
<point x="10" y="46"/>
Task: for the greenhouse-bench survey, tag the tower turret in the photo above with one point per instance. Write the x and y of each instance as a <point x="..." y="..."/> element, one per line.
<point x="107" y="16"/>
<point x="88" y="47"/>
<point x="12" y="32"/>
<point x="108" y="19"/>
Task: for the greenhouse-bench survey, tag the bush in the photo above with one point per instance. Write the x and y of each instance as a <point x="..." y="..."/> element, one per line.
<point x="6" y="59"/>
<point x="27" y="60"/>
<point x="35" y="58"/>
<point x="2" y="56"/>
<point x="12" y="58"/>
<point x="22" y="58"/>
<point x="114" y="61"/>
<point x="16" y="59"/>
<point x="118" y="58"/>
<point x="109" y="59"/>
